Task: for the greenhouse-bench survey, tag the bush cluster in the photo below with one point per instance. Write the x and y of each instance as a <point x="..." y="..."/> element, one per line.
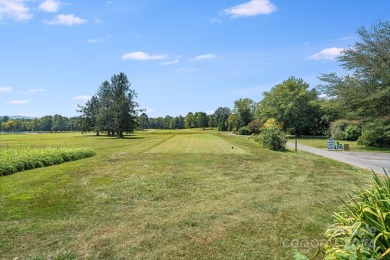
<point x="345" y="130"/>
<point x="14" y="160"/>
<point x="272" y="138"/>
<point x="271" y="135"/>
<point x="255" y="126"/>
<point x="376" y="134"/>
<point x="244" y="131"/>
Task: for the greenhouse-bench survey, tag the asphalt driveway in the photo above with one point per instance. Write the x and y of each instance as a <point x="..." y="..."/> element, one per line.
<point x="367" y="160"/>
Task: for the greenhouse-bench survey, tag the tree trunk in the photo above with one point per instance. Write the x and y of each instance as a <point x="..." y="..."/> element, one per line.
<point x="297" y="134"/>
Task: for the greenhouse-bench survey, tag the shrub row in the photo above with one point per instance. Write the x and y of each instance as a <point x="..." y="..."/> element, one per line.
<point x="14" y="160"/>
<point x="345" y="130"/>
<point x="376" y="134"/>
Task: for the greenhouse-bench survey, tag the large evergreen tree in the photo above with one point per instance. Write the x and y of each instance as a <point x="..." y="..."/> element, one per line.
<point x="104" y="115"/>
<point x="88" y="118"/>
<point x="123" y="106"/>
<point x="365" y="93"/>
<point x="112" y="109"/>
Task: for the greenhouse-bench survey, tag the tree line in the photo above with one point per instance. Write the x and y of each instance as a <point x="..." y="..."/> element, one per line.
<point x="191" y="120"/>
<point x="354" y="106"/>
<point x="49" y="123"/>
<point x="351" y="106"/>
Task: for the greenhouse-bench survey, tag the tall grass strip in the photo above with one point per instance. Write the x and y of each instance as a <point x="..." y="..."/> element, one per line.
<point x="16" y="159"/>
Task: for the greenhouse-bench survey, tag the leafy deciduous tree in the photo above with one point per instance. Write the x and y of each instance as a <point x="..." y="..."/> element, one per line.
<point x="143" y="121"/>
<point x="221" y="116"/>
<point x="291" y="103"/>
<point x="244" y="109"/>
<point x="189" y="120"/>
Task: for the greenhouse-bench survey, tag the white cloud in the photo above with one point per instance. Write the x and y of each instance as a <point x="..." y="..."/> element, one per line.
<point x="251" y="8"/>
<point x="66" y="19"/>
<point x="51" y="6"/>
<point x="33" y="91"/>
<point x="149" y="110"/>
<point x="205" y="57"/>
<point x="215" y="20"/>
<point x="170" y="62"/>
<point x="326" y="54"/>
<point x="82" y="97"/>
<point x="18" y="102"/>
<point x="97" y="40"/>
<point x="186" y="70"/>
<point x="14" y="10"/>
<point x="139" y="55"/>
<point x="5" y="89"/>
<point x="346" y="38"/>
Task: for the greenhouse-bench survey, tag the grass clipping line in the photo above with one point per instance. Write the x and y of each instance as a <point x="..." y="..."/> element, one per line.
<point x="14" y="160"/>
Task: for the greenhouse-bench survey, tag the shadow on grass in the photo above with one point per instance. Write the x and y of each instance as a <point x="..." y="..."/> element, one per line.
<point x="131" y="136"/>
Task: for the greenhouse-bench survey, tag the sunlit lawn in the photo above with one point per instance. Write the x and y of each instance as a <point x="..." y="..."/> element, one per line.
<point x="151" y="196"/>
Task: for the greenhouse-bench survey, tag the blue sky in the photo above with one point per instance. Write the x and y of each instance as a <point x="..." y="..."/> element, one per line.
<point x="180" y="56"/>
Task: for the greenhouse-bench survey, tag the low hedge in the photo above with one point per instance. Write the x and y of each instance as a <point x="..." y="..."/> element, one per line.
<point x="14" y="160"/>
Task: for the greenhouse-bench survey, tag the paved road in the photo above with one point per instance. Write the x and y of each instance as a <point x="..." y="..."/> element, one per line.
<point x="367" y="160"/>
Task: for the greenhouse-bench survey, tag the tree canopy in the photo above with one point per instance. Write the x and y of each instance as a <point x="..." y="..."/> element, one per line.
<point x="244" y="109"/>
<point x="292" y="104"/>
<point x="365" y="93"/>
<point x="221" y="116"/>
<point x="112" y="109"/>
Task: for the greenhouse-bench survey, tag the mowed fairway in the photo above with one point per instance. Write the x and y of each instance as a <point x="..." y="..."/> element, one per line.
<point x="170" y="195"/>
<point x="197" y="143"/>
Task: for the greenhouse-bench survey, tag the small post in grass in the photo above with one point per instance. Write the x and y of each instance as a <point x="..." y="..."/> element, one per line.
<point x="296" y="141"/>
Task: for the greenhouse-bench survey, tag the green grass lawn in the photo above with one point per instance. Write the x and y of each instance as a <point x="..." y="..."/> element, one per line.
<point x="322" y="143"/>
<point x="197" y="143"/>
<point x="164" y="195"/>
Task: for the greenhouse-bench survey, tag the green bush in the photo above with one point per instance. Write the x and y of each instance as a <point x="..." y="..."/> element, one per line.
<point x="272" y="138"/>
<point x="255" y="126"/>
<point x="361" y="230"/>
<point x="376" y="134"/>
<point x="244" y="131"/>
<point x="352" y="132"/>
<point x="364" y="223"/>
<point x="345" y="130"/>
